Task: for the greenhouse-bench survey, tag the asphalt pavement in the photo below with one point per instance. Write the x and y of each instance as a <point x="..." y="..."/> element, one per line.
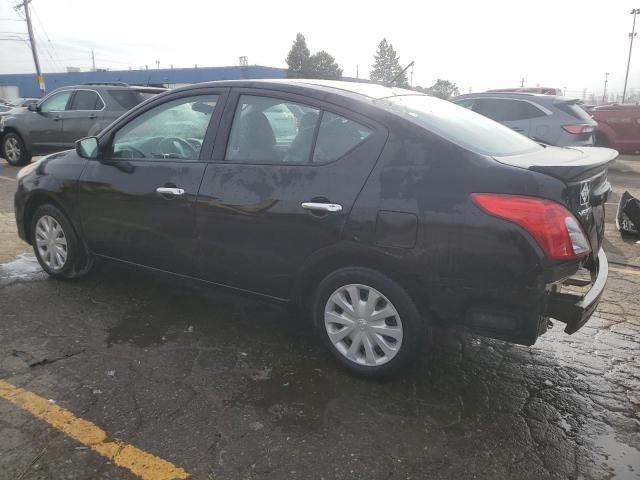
<point x="126" y="374"/>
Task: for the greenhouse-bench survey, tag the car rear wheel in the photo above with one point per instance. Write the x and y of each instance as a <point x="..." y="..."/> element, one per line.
<point x="14" y="151"/>
<point x="601" y="140"/>
<point x="56" y="245"/>
<point x="368" y="321"/>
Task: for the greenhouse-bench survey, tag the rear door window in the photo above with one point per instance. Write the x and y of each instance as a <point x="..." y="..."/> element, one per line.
<point x="271" y="130"/>
<point x="531" y="111"/>
<point x="501" y="110"/>
<point x="86" y="100"/>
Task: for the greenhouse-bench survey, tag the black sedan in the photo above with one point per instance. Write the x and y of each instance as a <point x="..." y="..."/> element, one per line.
<point x="382" y="210"/>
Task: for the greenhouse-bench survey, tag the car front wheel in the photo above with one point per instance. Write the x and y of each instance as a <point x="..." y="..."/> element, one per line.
<point x="368" y="321"/>
<point x="56" y="244"/>
<point x="14" y="151"/>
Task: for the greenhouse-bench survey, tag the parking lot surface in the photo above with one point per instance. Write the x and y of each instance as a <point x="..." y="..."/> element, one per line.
<point x="219" y="386"/>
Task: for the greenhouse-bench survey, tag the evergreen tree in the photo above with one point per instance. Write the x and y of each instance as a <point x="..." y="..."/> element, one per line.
<point x="298" y="58"/>
<point x="323" y="65"/>
<point x="387" y="66"/>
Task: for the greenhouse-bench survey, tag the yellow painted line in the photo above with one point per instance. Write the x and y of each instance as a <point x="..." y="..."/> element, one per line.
<point x="139" y="462"/>
<point x="7" y="178"/>
<point x="624" y="270"/>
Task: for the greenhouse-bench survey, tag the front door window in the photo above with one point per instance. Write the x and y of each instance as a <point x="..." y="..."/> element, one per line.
<point x="56" y="102"/>
<point x="173" y="130"/>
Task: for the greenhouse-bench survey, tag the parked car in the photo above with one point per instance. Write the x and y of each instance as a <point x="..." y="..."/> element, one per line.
<point x="16" y="104"/>
<point x="542" y="90"/>
<point x="64" y="116"/>
<point x="549" y="119"/>
<point x="618" y="126"/>
<point x="382" y="210"/>
<point x="23" y="102"/>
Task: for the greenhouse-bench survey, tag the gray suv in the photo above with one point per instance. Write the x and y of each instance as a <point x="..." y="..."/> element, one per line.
<point x="64" y="116"/>
<point x="547" y="119"/>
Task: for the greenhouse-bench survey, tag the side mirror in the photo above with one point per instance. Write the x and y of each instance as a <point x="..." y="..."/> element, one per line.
<point x="88" y="148"/>
<point x="34" y="107"/>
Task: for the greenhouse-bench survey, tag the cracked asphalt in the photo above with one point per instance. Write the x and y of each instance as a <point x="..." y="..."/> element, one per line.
<point x="228" y="387"/>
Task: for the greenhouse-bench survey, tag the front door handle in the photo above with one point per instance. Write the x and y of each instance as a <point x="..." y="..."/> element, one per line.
<point x="93" y="116"/>
<point x="170" y="191"/>
<point x="322" y="207"/>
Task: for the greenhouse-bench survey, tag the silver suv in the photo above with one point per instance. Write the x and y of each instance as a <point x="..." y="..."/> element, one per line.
<point x="548" y="119"/>
<point x="64" y="116"/>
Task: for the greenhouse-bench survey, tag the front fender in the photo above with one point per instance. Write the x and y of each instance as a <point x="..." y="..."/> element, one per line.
<point x="55" y="181"/>
<point x="12" y="124"/>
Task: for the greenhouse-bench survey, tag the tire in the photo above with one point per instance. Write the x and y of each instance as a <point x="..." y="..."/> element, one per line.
<point x="14" y="151"/>
<point x="404" y="324"/>
<point x="71" y="260"/>
<point x="601" y="140"/>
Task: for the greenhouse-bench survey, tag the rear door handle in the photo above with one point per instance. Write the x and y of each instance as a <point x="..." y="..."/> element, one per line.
<point x="92" y="116"/>
<point x="170" y="191"/>
<point x="322" y="207"/>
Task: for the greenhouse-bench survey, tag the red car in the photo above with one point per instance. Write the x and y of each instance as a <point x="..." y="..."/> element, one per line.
<point x="618" y="127"/>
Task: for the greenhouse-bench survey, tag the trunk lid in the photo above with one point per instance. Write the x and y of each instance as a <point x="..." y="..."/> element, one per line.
<point x="584" y="171"/>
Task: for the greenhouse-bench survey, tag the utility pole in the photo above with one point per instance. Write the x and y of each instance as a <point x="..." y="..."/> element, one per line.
<point x="604" y="93"/>
<point x="93" y="62"/>
<point x="632" y="35"/>
<point x="584" y="94"/>
<point x="157" y="64"/>
<point x="39" y="77"/>
<point x="522" y="82"/>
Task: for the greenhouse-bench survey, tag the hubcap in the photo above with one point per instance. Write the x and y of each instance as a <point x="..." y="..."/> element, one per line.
<point x="12" y="149"/>
<point x="51" y="242"/>
<point x="363" y="325"/>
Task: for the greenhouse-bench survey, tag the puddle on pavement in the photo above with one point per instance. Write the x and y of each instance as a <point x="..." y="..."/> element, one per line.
<point x="622" y="459"/>
<point x="168" y="320"/>
<point x="24" y="266"/>
<point x="315" y="392"/>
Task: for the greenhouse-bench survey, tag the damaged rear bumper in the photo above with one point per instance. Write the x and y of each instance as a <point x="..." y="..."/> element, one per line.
<point x="575" y="310"/>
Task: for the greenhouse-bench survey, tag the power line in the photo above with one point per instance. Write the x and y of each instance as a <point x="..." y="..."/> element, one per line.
<point x="50" y="45"/>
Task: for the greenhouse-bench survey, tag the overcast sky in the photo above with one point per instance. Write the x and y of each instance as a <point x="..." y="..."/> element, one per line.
<point x="476" y="44"/>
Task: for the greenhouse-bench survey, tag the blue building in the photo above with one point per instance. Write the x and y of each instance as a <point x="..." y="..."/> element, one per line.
<point x="27" y="86"/>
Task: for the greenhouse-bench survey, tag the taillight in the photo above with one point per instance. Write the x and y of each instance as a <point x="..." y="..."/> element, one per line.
<point x="579" y="129"/>
<point x="554" y="227"/>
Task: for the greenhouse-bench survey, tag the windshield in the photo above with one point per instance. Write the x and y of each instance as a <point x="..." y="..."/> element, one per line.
<point x="468" y="129"/>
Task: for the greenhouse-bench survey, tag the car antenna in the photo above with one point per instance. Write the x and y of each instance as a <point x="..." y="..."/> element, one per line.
<point x="390" y="84"/>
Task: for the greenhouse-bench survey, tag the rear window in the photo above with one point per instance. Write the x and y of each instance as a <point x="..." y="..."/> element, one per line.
<point x="460" y="125"/>
<point x="128" y="99"/>
<point x="506" y="110"/>
<point x="86" y="100"/>
<point x="573" y="109"/>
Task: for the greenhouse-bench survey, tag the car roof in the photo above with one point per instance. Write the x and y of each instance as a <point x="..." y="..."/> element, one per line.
<point x="619" y="106"/>
<point x="359" y="90"/>
<point x="534" y="97"/>
<point x="513" y="95"/>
